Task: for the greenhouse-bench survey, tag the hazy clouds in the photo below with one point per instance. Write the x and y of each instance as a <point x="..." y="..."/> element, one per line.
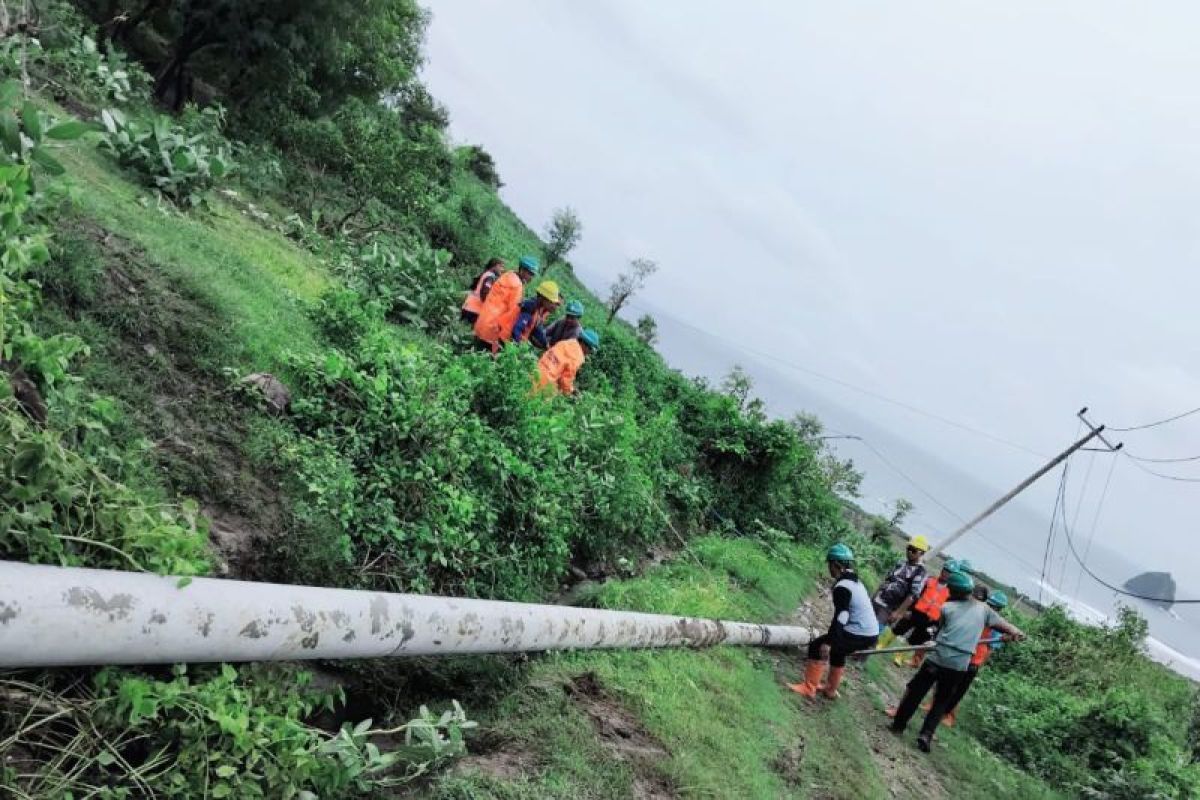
<point x="985" y="209"/>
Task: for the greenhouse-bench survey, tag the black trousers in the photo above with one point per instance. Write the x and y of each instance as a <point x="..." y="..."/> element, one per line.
<point x="841" y="644"/>
<point x="946" y="684"/>
<point x="963" y="685"/>
<point x="916" y="625"/>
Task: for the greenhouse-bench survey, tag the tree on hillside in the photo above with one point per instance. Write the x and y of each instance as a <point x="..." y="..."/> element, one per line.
<point x="840" y="476"/>
<point x="628" y="284"/>
<point x="562" y="234"/>
<point x="647" y="330"/>
<point x="302" y="55"/>
<point x="479" y="162"/>
<point x="738" y="384"/>
<point x="900" y="511"/>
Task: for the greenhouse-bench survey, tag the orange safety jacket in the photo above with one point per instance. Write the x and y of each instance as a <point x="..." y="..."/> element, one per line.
<point x="474" y="301"/>
<point x="932" y="597"/>
<point x="559" y="365"/>
<point x="499" y="310"/>
<point x="983" y="650"/>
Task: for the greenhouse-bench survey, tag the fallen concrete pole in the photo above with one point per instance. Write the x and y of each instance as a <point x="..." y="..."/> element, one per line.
<point x="61" y="616"/>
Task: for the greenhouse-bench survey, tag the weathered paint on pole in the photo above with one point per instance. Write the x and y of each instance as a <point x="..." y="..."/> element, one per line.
<point x="60" y="616"/>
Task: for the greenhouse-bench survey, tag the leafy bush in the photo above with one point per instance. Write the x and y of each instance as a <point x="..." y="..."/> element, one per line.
<point x="1083" y="708"/>
<point x="107" y="76"/>
<point x="401" y="170"/>
<point x="180" y="160"/>
<point x="216" y="732"/>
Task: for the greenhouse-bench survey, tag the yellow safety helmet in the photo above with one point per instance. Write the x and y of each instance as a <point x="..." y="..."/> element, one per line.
<point x="919" y="542"/>
<point x="549" y="290"/>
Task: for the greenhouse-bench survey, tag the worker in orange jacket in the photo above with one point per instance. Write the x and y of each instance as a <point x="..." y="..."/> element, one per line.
<point x="480" y="287"/>
<point x="499" y="311"/>
<point x="917" y="625"/>
<point x="559" y="365"/>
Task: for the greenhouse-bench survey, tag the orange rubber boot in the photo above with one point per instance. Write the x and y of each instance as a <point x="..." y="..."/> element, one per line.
<point x="814" y="671"/>
<point x="830" y="689"/>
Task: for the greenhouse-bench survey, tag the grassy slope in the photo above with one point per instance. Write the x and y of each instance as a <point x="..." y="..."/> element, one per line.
<point x="713" y="723"/>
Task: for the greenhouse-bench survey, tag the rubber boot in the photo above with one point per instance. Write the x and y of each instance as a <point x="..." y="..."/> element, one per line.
<point x="814" y="672"/>
<point x="885" y="639"/>
<point x="924" y="742"/>
<point x="917" y="658"/>
<point x="891" y="711"/>
<point x="900" y="659"/>
<point x="948" y="720"/>
<point x="830" y="689"/>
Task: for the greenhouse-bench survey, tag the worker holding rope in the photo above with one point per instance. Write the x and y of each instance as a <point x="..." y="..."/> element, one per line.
<point x="853" y="628"/>
<point x="918" y="625"/>
<point x="964" y="620"/>
<point x="990" y="642"/>
<point x="902" y="584"/>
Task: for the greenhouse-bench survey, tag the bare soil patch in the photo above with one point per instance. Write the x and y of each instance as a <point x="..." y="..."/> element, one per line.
<point x="623" y="735"/>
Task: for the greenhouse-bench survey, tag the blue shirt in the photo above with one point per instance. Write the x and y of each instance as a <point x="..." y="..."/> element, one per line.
<point x="524" y="320"/>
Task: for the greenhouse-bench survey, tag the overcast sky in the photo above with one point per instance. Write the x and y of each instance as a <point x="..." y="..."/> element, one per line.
<point x="987" y="210"/>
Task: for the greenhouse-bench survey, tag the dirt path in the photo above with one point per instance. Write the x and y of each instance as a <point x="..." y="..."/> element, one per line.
<point x="905" y="771"/>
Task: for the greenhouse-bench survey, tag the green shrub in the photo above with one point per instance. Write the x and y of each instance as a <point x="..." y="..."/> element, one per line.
<point x="1084" y="709"/>
<point x="180" y="160"/>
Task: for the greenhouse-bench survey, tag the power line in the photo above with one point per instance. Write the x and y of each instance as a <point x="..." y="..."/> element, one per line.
<point x="1097" y="578"/>
<point x="847" y="385"/>
<point x="1157" y="474"/>
<point x="912" y="482"/>
<point x="983" y="537"/>
<point x="1087" y="477"/>
<point x="1087" y="552"/>
<point x="1058" y="499"/>
<point x="1157" y="423"/>
<point x="1145" y="460"/>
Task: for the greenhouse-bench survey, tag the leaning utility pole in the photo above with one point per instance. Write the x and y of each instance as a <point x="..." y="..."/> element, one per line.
<point x="1094" y="432"/>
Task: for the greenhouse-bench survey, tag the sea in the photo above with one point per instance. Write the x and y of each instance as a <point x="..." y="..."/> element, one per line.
<point x="1010" y="546"/>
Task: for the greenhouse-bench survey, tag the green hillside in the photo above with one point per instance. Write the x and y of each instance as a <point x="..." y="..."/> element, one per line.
<point x="157" y="258"/>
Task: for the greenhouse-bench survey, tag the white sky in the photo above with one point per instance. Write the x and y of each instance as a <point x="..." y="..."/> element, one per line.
<point x="986" y="209"/>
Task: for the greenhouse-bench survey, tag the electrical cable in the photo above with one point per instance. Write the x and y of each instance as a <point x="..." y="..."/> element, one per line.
<point x="1155" y="424"/>
<point x="1106" y="584"/>
<point x="1087" y="477"/>
<point x="1058" y="497"/>
<point x="982" y="536"/>
<point x="1145" y="460"/>
<point x="1157" y="474"/>
<point x="912" y="482"/>
<point x="1087" y="551"/>
<point x="848" y="385"/>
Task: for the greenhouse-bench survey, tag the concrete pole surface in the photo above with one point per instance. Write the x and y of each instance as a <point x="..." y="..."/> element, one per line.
<point x="62" y="616"/>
